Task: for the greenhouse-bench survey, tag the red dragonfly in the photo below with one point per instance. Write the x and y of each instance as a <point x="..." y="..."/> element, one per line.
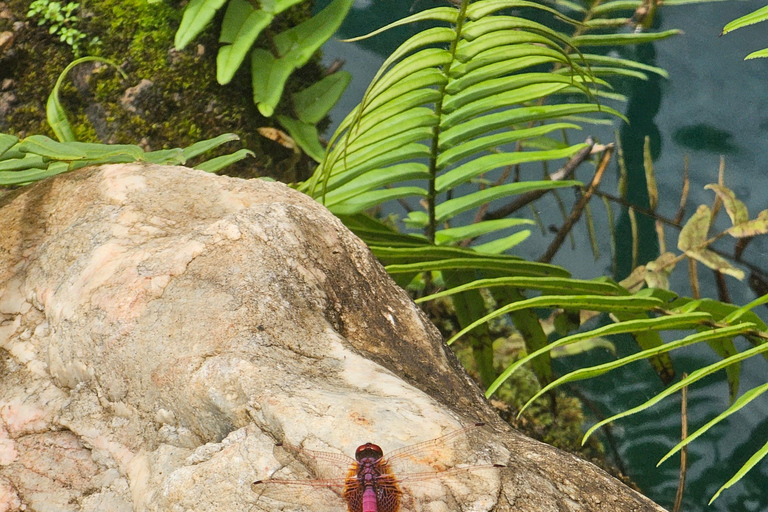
<point x="370" y="482"/>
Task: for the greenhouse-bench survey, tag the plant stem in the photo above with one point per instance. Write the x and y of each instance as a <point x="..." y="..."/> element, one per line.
<point x="434" y="149"/>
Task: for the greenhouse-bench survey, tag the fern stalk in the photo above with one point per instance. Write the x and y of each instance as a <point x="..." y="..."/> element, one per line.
<point x="431" y="190"/>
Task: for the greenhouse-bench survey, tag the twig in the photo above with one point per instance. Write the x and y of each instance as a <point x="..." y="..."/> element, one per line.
<point x="578" y="208"/>
<point x="561" y="174"/>
<point x="684" y="449"/>
<point x="722" y="287"/>
<point x="693" y="276"/>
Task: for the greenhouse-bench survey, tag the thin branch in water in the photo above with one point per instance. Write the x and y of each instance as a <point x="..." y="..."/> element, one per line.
<point x="720" y="181"/>
<point x="611" y="230"/>
<point x="684" y="449"/>
<point x="591" y="232"/>
<point x="578" y="208"/>
<point x="722" y="287"/>
<point x="694" y="278"/>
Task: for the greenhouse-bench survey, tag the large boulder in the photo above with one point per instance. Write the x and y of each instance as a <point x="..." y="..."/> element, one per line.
<point x="162" y="329"/>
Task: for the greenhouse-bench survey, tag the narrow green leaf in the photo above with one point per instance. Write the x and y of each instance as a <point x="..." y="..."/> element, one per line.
<point x="500" y="245"/>
<point x="594" y="371"/>
<point x="421" y="80"/>
<point x="760" y="54"/>
<point x="743" y="400"/>
<point x="483" y="164"/>
<point x="616" y="5"/>
<point x="452" y="207"/>
<point x="313" y="103"/>
<point x="241" y="26"/>
<point x="587" y="302"/>
<point x="613" y="71"/>
<point x="693" y="377"/>
<point x="649" y="340"/>
<point x="737" y="314"/>
<point x="220" y="162"/>
<point x="725" y="347"/>
<point x="746" y="20"/>
<point x="603" y="23"/>
<point x="203" y="146"/>
<point x="545" y="284"/>
<point x="54" y="111"/>
<point x="305" y="135"/>
<point x="385" y="124"/>
<point x="479" y="10"/>
<point x="488" y="49"/>
<point x="268" y="77"/>
<point x="49" y="148"/>
<point x="423" y="59"/>
<point x="452" y="136"/>
<point x="530" y="328"/>
<point x="682" y="321"/>
<point x="475" y="146"/>
<point x="627" y="63"/>
<point x="197" y="15"/>
<point x="752" y="462"/>
<point x="405" y="153"/>
<point x="583" y="346"/>
<point x="380" y="148"/>
<point x="447" y="14"/>
<point x="299" y="43"/>
<point x="509" y="57"/>
<point x="622" y="39"/>
<point x="278" y="6"/>
<point x="376" y="179"/>
<point x="468" y="306"/>
<point x="7" y="142"/>
<point x="453" y="235"/>
<point x="25" y="174"/>
<point x="472" y="261"/>
<point x="481" y="99"/>
<point x="173" y="156"/>
<point x="368" y="200"/>
<point x="483" y="26"/>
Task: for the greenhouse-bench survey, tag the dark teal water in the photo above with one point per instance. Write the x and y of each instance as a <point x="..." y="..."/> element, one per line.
<point x="713" y="104"/>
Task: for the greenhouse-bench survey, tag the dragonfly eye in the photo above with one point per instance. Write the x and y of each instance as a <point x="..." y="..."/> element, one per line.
<point x="368" y="451"/>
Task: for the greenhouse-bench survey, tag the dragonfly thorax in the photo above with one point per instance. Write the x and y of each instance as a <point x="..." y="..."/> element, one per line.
<point x="369" y="451"/>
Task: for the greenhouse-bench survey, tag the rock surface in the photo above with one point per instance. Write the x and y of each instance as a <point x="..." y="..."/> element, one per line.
<point x="162" y="328"/>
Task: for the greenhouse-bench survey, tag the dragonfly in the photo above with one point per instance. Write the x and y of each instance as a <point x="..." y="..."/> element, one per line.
<point x="371" y="482"/>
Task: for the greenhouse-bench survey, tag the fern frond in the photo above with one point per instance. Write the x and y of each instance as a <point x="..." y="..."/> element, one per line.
<point x="444" y="99"/>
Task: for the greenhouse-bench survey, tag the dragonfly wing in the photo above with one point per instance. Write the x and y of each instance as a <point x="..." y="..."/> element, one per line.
<point x="324" y="464"/>
<point x="456" y="487"/>
<point x="319" y="495"/>
<point x="440" y="453"/>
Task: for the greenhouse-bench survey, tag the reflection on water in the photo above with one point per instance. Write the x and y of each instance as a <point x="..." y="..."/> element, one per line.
<point x="704" y="137"/>
<point x="713" y="103"/>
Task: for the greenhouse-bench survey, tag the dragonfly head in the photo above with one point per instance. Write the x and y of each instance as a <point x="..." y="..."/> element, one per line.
<point x="368" y="451"/>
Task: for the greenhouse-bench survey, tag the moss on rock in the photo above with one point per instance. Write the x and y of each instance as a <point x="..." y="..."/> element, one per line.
<point x="182" y="104"/>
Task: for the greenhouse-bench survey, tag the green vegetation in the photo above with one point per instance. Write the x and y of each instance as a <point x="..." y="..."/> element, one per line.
<point x="435" y="122"/>
<point x="479" y="91"/>
<point x="270" y="67"/>
<point x="61" y="22"/>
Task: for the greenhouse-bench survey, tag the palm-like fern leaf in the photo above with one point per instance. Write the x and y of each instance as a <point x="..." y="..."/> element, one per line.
<point x="441" y="104"/>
